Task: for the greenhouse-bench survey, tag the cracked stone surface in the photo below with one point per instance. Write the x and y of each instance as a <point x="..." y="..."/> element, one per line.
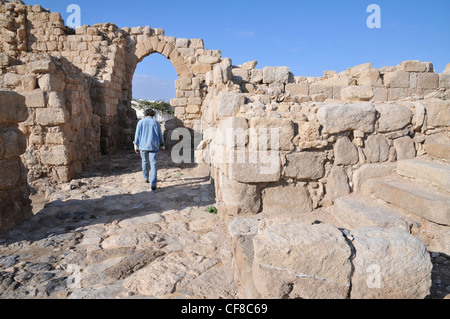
<point x="107" y="235"/>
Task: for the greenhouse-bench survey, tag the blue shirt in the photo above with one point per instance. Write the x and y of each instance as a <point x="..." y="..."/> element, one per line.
<point x="149" y="136"/>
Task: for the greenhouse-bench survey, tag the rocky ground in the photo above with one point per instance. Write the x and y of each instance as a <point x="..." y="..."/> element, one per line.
<point x="107" y="235"/>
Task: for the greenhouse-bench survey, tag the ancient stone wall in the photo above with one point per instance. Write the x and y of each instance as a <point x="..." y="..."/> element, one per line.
<point x="14" y="191"/>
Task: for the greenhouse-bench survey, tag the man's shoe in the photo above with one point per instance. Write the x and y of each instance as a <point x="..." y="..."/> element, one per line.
<point x="154" y="188"/>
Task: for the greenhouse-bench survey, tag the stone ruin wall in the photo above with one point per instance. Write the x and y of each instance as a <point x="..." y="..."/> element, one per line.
<point x="336" y="131"/>
<point x="329" y="128"/>
<point x="14" y="192"/>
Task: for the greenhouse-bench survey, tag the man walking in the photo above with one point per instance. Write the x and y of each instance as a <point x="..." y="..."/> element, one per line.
<point x="148" y="142"/>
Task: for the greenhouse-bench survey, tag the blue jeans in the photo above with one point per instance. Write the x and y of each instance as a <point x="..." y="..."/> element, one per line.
<point x="149" y="166"/>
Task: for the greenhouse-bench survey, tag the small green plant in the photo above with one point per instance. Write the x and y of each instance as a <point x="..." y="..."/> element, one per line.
<point x="212" y="210"/>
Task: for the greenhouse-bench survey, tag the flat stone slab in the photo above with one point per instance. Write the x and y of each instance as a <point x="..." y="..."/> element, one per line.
<point x="436" y="173"/>
<point x="355" y="213"/>
<point x="430" y="205"/>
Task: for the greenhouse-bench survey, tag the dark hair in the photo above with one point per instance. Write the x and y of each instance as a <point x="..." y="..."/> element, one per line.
<point x="149" y="112"/>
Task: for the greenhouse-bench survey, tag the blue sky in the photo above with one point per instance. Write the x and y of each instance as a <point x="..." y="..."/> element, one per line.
<point x="308" y="36"/>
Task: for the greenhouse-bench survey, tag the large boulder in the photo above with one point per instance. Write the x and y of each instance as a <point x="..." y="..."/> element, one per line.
<point x="295" y="259"/>
<point x="347" y="117"/>
<point x="390" y="265"/>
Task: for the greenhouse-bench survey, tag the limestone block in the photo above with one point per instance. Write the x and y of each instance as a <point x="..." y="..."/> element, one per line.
<point x="345" y="152"/>
<point x="438" y="112"/>
<point x="201" y="68"/>
<point x="427" y="81"/>
<point x="337" y="184"/>
<point x="240" y="75"/>
<point x="447" y="69"/>
<point x="347" y="117"/>
<point x="51" y="116"/>
<point x="354" y="213"/>
<point x="29" y="82"/>
<point x="405" y="148"/>
<point x="56" y="100"/>
<point x="309" y="131"/>
<point x="35" y="99"/>
<point x="357" y="93"/>
<point x="12" y="108"/>
<point x="356" y="71"/>
<point x="208" y="59"/>
<point x="54" y="155"/>
<point x="276" y="75"/>
<point x="299" y="260"/>
<point x="444" y="81"/>
<point x="4" y="60"/>
<point x="278" y="200"/>
<point x="196" y="44"/>
<point x="51" y="82"/>
<point x="393" y="117"/>
<point x="412" y="66"/>
<point x="305" y="166"/>
<point x="370" y="171"/>
<point x="10" y="173"/>
<point x="12" y="80"/>
<point x="12" y="142"/>
<point x="390" y="264"/>
<point x="376" y="149"/>
<point x="229" y="104"/>
<point x="370" y="78"/>
<point x="397" y="79"/>
<point x="240" y="198"/>
<point x="254" y="166"/>
<point x="297" y="88"/>
<point x="233" y="132"/>
<point x="43" y="66"/>
<point x="257" y="76"/>
<point x="271" y="134"/>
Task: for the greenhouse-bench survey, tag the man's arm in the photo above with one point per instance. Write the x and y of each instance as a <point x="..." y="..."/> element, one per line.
<point x="161" y="137"/>
<point x="137" y="138"/>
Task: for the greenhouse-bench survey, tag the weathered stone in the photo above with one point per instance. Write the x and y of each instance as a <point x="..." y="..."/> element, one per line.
<point x="54" y="155"/>
<point x="129" y="265"/>
<point x="438" y="174"/>
<point x="271" y="134"/>
<point x="12" y="142"/>
<point x="354" y="213"/>
<point x="229" y="104"/>
<point x="438" y="150"/>
<point x="47" y="117"/>
<point x="305" y="166"/>
<point x="397" y="79"/>
<point x="427" y="81"/>
<point x="276" y="75"/>
<point x="424" y="203"/>
<point x="299" y="260"/>
<point x="297" y="88"/>
<point x="405" y="148"/>
<point x="255" y="166"/>
<point x="347" y="117"/>
<point x="438" y="112"/>
<point x="345" y="152"/>
<point x="357" y="93"/>
<point x="233" y="132"/>
<point x="12" y="108"/>
<point x="393" y="117"/>
<point x="376" y="149"/>
<point x="240" y="198"/>
<point x="370" y="78"/>
<point x="337" y="184"/>
<point x="43" y="66"/>
<point x="370" y="171"/>
<point x="380" y="270"/>
<point x="35" y="98"/>
<point x="412" y="66"/>
<point x="286" y="199"/>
